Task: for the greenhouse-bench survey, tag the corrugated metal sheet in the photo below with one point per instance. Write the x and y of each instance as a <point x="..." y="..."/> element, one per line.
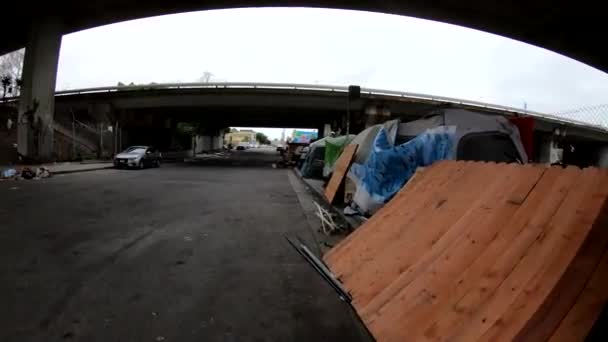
<point x="471" y="251"/>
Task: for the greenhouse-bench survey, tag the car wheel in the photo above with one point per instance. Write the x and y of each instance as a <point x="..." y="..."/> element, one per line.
<point x="157" y="163"/>
<point x="141" y="164"/>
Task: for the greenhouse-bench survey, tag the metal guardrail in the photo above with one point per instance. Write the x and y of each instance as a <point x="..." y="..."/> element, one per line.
<point x="330" y="89"/>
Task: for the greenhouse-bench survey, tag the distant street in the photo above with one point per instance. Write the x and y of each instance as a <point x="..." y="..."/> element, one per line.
<point x="186" y="252"/>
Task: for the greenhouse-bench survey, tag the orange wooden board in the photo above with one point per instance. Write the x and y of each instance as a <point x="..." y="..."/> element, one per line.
<point x="480" y="251"/>
<point x="341" y="167"/>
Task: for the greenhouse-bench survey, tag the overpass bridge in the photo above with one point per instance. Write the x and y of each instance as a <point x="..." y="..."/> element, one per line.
<point x="288" y="105"/>
<point x="149" y="113"/>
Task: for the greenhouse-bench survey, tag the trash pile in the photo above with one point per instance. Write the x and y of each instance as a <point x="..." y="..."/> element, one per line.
<point x="26" y="173"/>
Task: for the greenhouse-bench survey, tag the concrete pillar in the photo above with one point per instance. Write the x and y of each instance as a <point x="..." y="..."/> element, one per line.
<point x="549" y="153"/>
<point x="323" y="131"/>
<point x="376" y="114"/>
<point x="37" y="99"/>
<point x="603" y="157"/>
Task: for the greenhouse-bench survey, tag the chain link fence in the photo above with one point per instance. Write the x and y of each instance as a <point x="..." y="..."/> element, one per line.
<point x="590" y="115"/>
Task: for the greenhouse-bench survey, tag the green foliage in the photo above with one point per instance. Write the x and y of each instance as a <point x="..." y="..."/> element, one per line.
<point x="262" y="138"/>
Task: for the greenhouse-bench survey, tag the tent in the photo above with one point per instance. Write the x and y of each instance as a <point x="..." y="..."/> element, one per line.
<point x="478" y="136"/>
<point x="313" y="164"/>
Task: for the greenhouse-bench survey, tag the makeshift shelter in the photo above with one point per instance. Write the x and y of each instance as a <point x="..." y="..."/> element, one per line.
<point x="365" y="139"/>
<point x="383" y="167"/>
<point x="389" y="167"/>
<point x="313" y="163"/>
<point x="475" y="251"/>
<point x="480" y="137"/>
<point x="333" y="148"/>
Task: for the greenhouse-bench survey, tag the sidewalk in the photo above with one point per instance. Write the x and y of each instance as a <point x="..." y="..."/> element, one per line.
<point x="63" y="168"/>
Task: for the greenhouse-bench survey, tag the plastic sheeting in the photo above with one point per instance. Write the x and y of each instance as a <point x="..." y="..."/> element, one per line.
<point x="333" y="148"/>
<point x="366" y="138"/>
<point x="389" y="167"/>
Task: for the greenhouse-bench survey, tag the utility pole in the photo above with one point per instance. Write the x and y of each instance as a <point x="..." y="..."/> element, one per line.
<point x="354" y="93"/>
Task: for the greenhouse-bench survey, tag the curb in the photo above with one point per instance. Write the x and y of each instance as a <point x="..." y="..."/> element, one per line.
<point x="64" y="172"/>
<point x="353" y="223"/>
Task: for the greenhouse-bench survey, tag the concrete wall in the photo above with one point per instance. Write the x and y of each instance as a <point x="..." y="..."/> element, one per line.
<point x="206" y="143"/>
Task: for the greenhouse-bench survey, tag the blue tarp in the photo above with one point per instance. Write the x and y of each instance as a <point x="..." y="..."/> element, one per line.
<point x="389" y="167"/>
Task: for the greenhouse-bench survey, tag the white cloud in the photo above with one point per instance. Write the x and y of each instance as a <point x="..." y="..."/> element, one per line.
<point x="296" y="45"/>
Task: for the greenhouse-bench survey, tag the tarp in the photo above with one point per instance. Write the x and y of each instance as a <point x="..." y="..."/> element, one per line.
<point x="475" y="251"/>
<point x="389" y="167"/>
<point x="366" y="138"/>
<point x="333" y="149"/>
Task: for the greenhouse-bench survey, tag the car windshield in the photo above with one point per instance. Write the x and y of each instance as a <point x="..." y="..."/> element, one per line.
<point x="135" y="150"/>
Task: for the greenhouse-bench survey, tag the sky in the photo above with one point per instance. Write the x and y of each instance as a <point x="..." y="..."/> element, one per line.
<point x="330" y="47"/>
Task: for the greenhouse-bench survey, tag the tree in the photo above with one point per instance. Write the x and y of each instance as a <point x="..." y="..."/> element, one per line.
<point x="206" y="78"/>
<point x="262" y="138"/>
<point x="6" y="81"/>
<point x="11" y="65"/>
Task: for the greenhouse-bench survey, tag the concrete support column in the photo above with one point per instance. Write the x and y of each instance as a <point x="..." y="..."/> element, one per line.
<point x="37" y="99"/>
<point x="549" y="153"/>
<point x="603" y="157"/>
<point x="375" y="114"/>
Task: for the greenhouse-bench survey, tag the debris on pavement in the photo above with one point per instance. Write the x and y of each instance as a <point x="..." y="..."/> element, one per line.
<point x="27" y="173"/>
<point x="350" y="211"/>
<point x="43" y="172"/>
<point x="9" y="173"/>
<point x="328" y="226"/>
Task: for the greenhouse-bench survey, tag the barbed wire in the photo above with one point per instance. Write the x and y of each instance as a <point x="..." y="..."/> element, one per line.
<point x="596" y="115"/>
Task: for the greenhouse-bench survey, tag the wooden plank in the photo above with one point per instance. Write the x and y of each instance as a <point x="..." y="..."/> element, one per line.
<point x="547" y="246"/>
<point x="406" y="205"/>
<point x="563" y="296"/>
<point x="475" y="285"/>
<point x="586" y="225"/>
<point x="415" y="184"/>
<point x="341" y="167"/>
<point x="406" y="315"/>
<point x="422" y="263"/>
<point x="417" y="235"/>
<point x="580" y="319"/>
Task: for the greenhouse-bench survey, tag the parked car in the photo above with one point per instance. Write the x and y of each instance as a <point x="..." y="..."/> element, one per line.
<point x="138" y="157"/>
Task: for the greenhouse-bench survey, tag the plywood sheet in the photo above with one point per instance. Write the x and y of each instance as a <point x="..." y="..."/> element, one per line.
<point x="480" y="251"/>
<point x="340" y="170"/>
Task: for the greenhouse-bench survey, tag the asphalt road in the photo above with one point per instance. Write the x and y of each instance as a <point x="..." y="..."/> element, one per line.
<point x="181" y="253"/>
